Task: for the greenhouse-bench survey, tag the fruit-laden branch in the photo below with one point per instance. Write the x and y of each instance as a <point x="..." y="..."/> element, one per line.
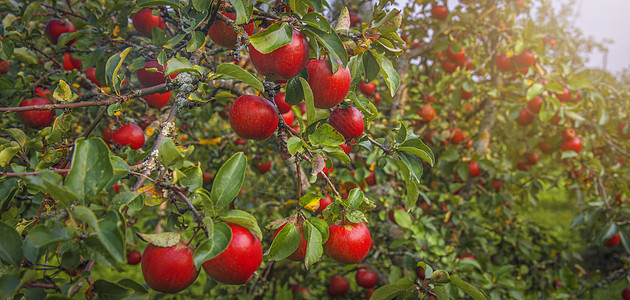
<point x="198" y="216"/>
<point x="137" y="93"/>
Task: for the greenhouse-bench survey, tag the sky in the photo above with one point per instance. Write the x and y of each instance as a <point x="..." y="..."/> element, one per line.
<point x="606" y="19"/>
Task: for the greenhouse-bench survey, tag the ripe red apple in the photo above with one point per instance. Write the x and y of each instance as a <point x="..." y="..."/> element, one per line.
<point x="283" y="107"/>
<point x="625" y="294"/>
<point x="612" y="241"/>
<point x="426" y="112"/>
<point x="36" y="118"/>
<point x="456" y="135"/>
<point x="371" y="180"/>
<point x="565" y="96"/>
<point x="366" y="278"/>
<point x="207" y="177"/>
<point x="377" y="98"/>
<point x="323" y="203"/>
<point x="130" y="134"/>
<point x="545" y="147"/>
<point x="368" y="294"/>
<point x="347" y="121"/>
<point x="439" y="12"/>
<point x="468" y="63"/>
<point x="525" y="59"/>
<point x="169" y="269"/>
<point x="465" y="94"/>
<point x="328" y="89"/>
<point x="298" y="288"/>
<point x="473" y="169"/>
<point x="620" y="131"/>
<point x="573" y="144"/>
<point x="55" y="27"/>
<point x="496" y="184"/>
<point x="533" y="158"/>
<point x="90" y="74"/>
<point x="144" y="21"/>
<point x="240" y="142"/>
<point x="70" y="63"/>
<point x="367" y="89"/>
<point x="263" y="167"/>
<point x="133" y="257"/>
<point x="523" y="166"/>
<point x="503" y="63"/>
<point x="348" y="243"/>
<point x="288" y="117"/>
<point x="223" y="35"/>
<point x="354" y="19"/>
<point x="557" y="284"/>
<point x="338" y="286"/>
<point x="300" y="252"/>
<point x="5" y="65"/>
<point x="158" y="100"/>
<point x="325" y="171"/>
<point x="466" y="256"/>
<point x="449" y="66"/>
<point x="535" y="104"/>
<point x="284" y="62"/>
<point x="238" y="262"/>
<point x="458" y="57"/>
<point x="347" y="148"/>
<point x="568" y="133"/>
<point x="526" y="117"/>
<point x="253" y="117"/>
<point x="149" y="79"/>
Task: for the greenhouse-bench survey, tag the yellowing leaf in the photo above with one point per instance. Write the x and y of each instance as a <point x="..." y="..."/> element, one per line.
<point x="313" y="205"/>
<point x="116" y="31"/>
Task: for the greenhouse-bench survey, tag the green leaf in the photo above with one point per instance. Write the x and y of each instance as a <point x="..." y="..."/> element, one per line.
<point x="314" y="249"/>
<point x="122" y="198"/>
<point x="112" y="67"/>
<point x="338" y="153"/>
<point x="343" y="23"/>
<point x="7" y="154"/>
<point x="168" y="154"/>
<point x="179" y="65"/>
<point x="308" y="198"/>
<point x="326" y="135"/>
<point x="164" y="239"/>
<point x="284" y="243"/>
<point x="64" y="93"/>
<point x="48" y="182"/>
<point x="294" y="144"/>
<point x="580" y="82"/>
<point x="392" y="79"/>
<point x="193" y="179"/>
<point x="150" y="3"/>
<point x="243" y="11"/>
<point x="45" y="234"/>
<point x="534" y="90"/>
<point x="229" y="180"/>
<point x="440" y="277"/>
<point x="219" y="239"/>
<point x="387" y="292"/>
<point x="239" y="73"/>
<point x="110" y="230"/>
<point x="11" y="246"/>
<point x="469" y="289"/>
<point x="441" y="293"/>
<point x="91" y="168"/>
<point x="355" y="198"/>
<point x="318" y="26"/>
<point x="275" y="36"/>
<point x="402" y="218"/>
<point x="308" y="99"/>
<point x="418" y="148"/>
<point x="109" y="290"/>
<point x="197" y="39"/>
<point x="244" y="219"/>
<point x="8" y="285"/>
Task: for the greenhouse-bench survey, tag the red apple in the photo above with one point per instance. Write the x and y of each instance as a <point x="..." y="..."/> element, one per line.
<point x="300" y="252"/>
<point x="377" y="98"/>
<point x="426" y="112"/>
<point x="328" y="89"/>
<point x="253" y="117"/>
<point x="298" y="288"/>
<point x="354" y="19"/>
<point x="323" y="203"/>
<point x="348" y="243"/>
<point x="144" y="21"/>
<point x="456" y="135"/>
<point x="207" y="177"/>
<point x="503" y="63"/>
<point x="347" y="148"/>
<point x="223" y="34"/>
<point x="70" y="63"/>
<point x="526" y="117"/>
<point x="523" y="166"/>
<point x="288" y="117"/>
<point x="625" y="294"/>
<point x="284" y="62"/>
<point x="371" y="180"/>
<point x="55" y="27"/>
<point x="525" y="59"/>
<point x="130" y="134"/>
<point x="612" y="241"/>
<point x="133" y="257"/>
<point x="238" y="262"/>
<point x="347" y="121"/>
<point x="458" y="57"/>
<point x="169" y="269"/>
<point x="473" y="169"/>
<point x="338" y="286"/>
<point x="366" y="278"/>
<point x="535" y="104"/>
<point x="568" y="133"/>
<point x="533" y="158"/>
<point x="367" y="89"/>
<point x="282" y="106"/>
<point x="263" y="167"/>
<point x="465" y="94"/>
<point x="496" y="184"/>
<point x="573" y="144"/>
<point x="620" y="131"/>
<point x="565" y="96"/>
<point x="149" y="79"/>
<point x="36" y="118"/>
<point x="5" y="65"/>
<point x="439" y="12"/>
<point x="240" y="142"/>
<point x="545" y="147"/>
<point x="466" y="256"/>
<point x="90" y="74"/>
<point x="158" y="100"/>
<point x="449" y="66"/>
